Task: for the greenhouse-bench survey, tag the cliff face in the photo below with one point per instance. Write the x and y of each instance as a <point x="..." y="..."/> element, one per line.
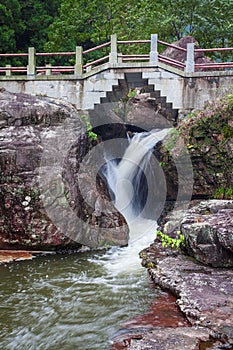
<point x="43" y="204"/>
<point x="208" y="137"/>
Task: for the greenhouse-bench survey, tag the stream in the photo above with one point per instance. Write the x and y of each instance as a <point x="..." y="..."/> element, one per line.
<point x="72" y="301"/>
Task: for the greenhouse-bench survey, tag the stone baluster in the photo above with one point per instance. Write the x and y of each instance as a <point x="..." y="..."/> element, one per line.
<point x="48" y="69"/>
<point x="8" y="71"/>
<point x="31" y="67"/>
<point x="190" y="63"/>
<point x="78" y="67"/>
<point x="154" y="49"/>
<point x="113" y="53"/>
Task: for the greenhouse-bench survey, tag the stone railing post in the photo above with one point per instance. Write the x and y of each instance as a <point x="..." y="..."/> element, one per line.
<point x="154" y="49"/>
<point x="8" y="71"/>
<point x="113" y="53"/>
<point x="78" y="67"/>
<point x="31" y="67"/>
<point x="48" y="69"/>
<point x="190" y="63"/>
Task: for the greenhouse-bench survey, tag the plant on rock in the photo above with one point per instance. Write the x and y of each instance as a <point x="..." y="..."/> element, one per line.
<point x="92" y="135"/>
<point x="171" y="242"/>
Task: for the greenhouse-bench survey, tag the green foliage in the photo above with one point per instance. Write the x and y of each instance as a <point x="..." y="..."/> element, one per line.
<point x="36" y="16"/>
<point x="58" y="25"/>
<point x="224" y="193"/>
<point x="129" y="95"/>
<point x="171" y="242"/>
<point x="88" y="125"/>
<point x="90" y="23"/>
<point x="25" y="23"/>
<point x="150" y="265"/>
<point x="209" y="21"/>
<point x="92" y="135"/>
<point x="229" y="101"/>
<point x="11" y="24"/>
<point x="171" y="139"/>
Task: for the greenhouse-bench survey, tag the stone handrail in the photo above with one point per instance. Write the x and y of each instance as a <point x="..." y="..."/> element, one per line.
<point x="114" y="58"/>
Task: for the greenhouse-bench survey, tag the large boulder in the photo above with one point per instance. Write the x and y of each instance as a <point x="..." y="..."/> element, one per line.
<point x="137" y="110"/>
<point x="181" y="56"/>
<point x="146" y="112"/>
<point x="47" y="199"/>
<point x="208" y="230"/>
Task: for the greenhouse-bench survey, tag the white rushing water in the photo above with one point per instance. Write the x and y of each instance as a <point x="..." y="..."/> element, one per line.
<point x="123" y="179"/>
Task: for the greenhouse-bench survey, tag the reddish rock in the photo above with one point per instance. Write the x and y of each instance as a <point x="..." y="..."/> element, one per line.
<point x="42" y="206"/>
<point x="162" y="313"/>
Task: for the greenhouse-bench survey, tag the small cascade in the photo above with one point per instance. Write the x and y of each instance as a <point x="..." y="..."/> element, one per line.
<point x="129" y="189"/>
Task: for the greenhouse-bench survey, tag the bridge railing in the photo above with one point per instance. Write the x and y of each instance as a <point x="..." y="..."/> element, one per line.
<point x="79" y="61"/>
<point x="169" y="61"/>
<point x="215" y="65"/>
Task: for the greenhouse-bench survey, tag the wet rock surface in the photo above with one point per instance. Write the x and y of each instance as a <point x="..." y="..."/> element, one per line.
<point x="171" y="339"/>
<point x="7" y="256"/>
<point x="204" y="293"/>
<point x="163" y="312"/>
<point x="42" y="204"/>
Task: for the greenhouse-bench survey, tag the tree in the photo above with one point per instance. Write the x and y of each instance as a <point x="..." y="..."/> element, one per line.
<point x="209" y="21"/>
<point x="58" y="25"/>
<point x="90" y="23"/>
<point x="11" y="23"/>
<point x="36" y="15"/>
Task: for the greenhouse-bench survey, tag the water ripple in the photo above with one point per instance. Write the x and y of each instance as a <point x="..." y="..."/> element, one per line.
<point x="67" y="302"/>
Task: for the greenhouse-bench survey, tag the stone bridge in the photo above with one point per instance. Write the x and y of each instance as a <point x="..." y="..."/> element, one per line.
<point x="177" y="85"/>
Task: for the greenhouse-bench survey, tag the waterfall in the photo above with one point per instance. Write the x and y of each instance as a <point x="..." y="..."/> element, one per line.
<point x="127" y="185"/>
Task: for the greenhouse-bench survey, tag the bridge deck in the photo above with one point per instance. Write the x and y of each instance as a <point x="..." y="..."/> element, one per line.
<point x="143" y="66"/>
<point x="183" y="84"/>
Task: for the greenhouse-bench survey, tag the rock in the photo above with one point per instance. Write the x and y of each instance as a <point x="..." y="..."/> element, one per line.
<point x="209" y="237"/>
<point x="139" y="112"/>
<point x="208" y="138"/>
<point x="208" y="231"/>
<point x="171" y="339"/>
<point x="163" y="312"/>
<point x="181" y="56"/>
<point x="204" y="294"/>
<point x="43" y="142"/>
<point x="144" y="112"/>
<point x="7" y="256"/>
<point x="107" y="120"/>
